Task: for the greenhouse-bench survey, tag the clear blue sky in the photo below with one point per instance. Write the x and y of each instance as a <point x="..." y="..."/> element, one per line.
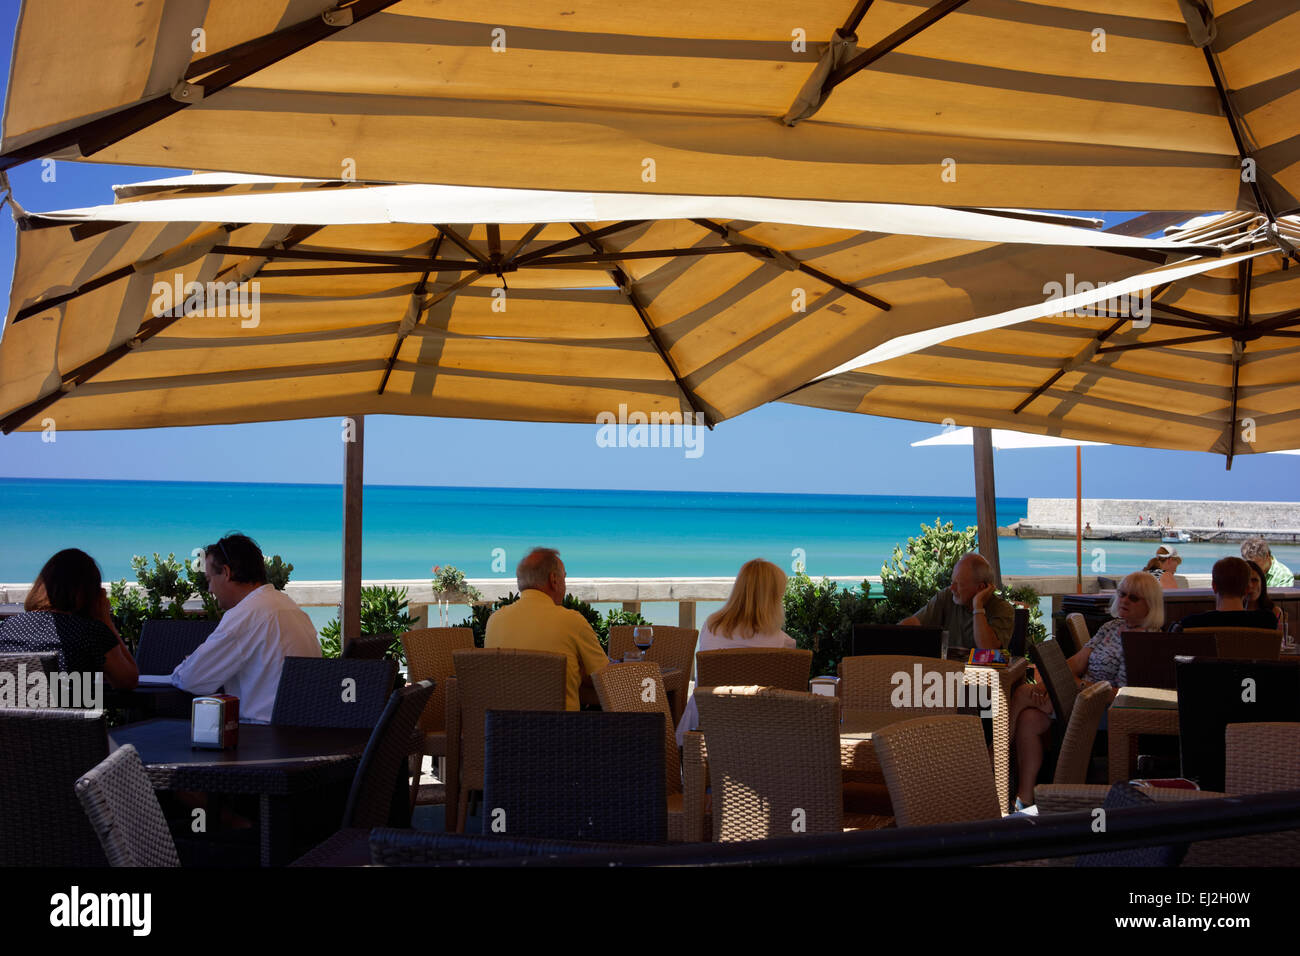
<point x="778" y="448"/>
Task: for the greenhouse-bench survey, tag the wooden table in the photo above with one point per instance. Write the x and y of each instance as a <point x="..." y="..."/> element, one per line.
<point x="1134" y="711"/>
<point x="277" y="764"/>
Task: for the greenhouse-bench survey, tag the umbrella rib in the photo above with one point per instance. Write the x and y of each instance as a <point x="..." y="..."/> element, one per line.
<point x="464" y="244"/>
<point x="147" y="330"/>
<point x="776" y="257"/>
<point x="1245" y="271"/>
<point x="596" y="257"/>
<point x="524" y="240"/>
<point x="1101" y="337"/>
<point x="1231" y="113"/>
<point x="625" y="285"/>
<point x="417" y="294"/>
<point x="98" y="134"/>
<point x="563" y="244"/>
<point x="1185" y="340"/>
<point x="896" y="39"/>
<point x="416" y="263"/>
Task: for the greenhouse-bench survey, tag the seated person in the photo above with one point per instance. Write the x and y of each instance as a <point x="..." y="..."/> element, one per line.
<point x="1257" y="594"/>
<point x="1138" y="605"/>
<point x="752" y="617"/>
<point x="1276" y="574"/>
<point x="973" y="614"/>
<point x="539" y="621"/>
<point x="67" y="612"/>
<point x="1230" y="579"/>
<point x="260" y="628"/>
<point x="1164" y="565"/>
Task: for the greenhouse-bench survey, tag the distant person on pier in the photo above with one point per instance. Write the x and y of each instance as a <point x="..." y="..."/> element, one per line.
<point x="970" y="610"/>
<point x="1163" y="566"/>
<point x="261" y="627"/>
<point x="1257" y="594"/>
<point x="1276" y="574"/>
<point x="1231" y="582"/>
<point x="539" y="621"/>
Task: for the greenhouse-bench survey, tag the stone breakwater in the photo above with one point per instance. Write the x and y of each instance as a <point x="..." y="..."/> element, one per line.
<point x="1117" y="518"/>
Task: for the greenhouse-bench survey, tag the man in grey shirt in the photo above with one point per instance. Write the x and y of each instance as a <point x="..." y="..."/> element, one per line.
<point x="972" y="613"/>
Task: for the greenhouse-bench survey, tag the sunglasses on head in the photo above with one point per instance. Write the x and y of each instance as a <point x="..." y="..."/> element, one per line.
<point x="225" y="557"/>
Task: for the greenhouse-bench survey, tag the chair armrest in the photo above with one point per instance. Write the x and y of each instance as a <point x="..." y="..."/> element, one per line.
<point x="452" y="718"/>
<point x="695" y="781"/>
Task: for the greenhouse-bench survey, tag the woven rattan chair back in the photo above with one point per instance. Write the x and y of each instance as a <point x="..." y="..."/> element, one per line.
<point x="33" y="663"/>
<point x="324" y="692"/>
<point x="673" y="647"/>
<point x="501" y="679"/>
<point x="1262" y="758"/>
<point x="428" y="657"/>
<point x="42" y="753"/>
<point x="1081" y="733"/>
<point x="164" y="644"/>
<point x="119" y="800"/>
<point x="379" y="795"/>
<point x="636" y="687"/>
<point x="871" y="682"/>
<point x="774" y="761"/>
<point x="569" y="775"/>
<point x="786" y="668"/>
<point x="1054" y="671"/>
<point x="1243" y="643"/>
<point x="937" y="770"/>
<point x="1077" y="625"/>
<point x="367" y="647"/>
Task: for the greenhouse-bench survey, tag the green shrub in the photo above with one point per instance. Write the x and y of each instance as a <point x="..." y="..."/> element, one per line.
<point x="450" y="580"/>
<point x="130" y="611"/>
<point x="915" y="574"/>
<point x="1028" y="597"/>
<point x="383" y="611"/>
<point x="820" y="615"/>
<point x="277" y="572"/>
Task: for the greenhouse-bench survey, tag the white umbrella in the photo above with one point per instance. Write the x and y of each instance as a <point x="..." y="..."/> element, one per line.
<point x="1004" y="438"/>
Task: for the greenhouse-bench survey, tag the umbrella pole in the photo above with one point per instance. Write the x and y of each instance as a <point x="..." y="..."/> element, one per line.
<point x="986" y="515"/>
<point x="1078" y="519"/>
<point x="354" y="445"/>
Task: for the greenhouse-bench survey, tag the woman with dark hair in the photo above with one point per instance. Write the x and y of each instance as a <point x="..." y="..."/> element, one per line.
<point x="67" y="612"/>
<point x="1257" y="595"/>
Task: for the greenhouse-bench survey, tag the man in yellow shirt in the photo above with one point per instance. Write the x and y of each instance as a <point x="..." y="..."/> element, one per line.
<point x="538" y="621"/>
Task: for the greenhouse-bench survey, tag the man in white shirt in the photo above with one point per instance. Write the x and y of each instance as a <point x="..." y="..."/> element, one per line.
<point x="261" y="627"/>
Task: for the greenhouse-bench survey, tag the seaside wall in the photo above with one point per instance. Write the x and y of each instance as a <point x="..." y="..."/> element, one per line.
<point x="1123" y="513"/>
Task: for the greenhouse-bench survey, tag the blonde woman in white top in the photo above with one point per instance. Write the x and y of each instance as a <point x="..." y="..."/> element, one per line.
<point x="752" y="617"/>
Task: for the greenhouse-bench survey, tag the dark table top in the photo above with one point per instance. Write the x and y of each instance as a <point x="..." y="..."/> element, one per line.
<point x="267" y="759"/>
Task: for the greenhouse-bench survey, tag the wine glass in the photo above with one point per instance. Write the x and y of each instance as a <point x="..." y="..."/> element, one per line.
<point x="643" y="637"/>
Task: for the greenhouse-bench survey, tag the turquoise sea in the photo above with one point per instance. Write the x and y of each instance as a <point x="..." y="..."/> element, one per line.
<point x="599" y="533"/>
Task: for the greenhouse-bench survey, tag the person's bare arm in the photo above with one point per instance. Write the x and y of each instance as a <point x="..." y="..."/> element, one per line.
<point x="985" y="636"/>
<point x="120" y="668"/>
<point x="1078" y="664"/>
<point x="910" y="622"/>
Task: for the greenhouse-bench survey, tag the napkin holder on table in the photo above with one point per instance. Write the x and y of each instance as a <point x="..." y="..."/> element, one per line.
<point x="214" y="722"/>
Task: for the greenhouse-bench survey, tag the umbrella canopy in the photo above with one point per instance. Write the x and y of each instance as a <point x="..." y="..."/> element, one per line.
<point x="485" y="303"/>
<point x="1068" y="104"/>
<point x="1215" y="370"/>
<point x="1002" y="438"/>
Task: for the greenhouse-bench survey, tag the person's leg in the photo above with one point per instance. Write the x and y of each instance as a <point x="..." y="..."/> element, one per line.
<point x="1032" y="725"/>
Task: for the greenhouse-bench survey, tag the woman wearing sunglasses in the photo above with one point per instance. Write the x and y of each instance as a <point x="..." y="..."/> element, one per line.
<point x="1138" y="605"/>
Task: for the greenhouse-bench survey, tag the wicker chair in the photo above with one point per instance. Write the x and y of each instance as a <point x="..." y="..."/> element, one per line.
<point x="622" y="689"/>
<point x="367" y="647"/>
<point x="428" y="657"/>
<point x="1243" y="643"/>
<point x="568" y="775"/>
<point x="497" y="679"/>
<point x="774" y="759"/>
<point x="866" y="682"/>
<point x="1081" y="733"/>
<point x="1077" y="625"/>
<point x="33" y="663"/>
<point x="672" y="647"/>
<point x="311" y="692"/>
<point x="1262" y="757"/>
<point x="378" y="796"/>
<point x="119" y="800"/>
<point x="164" y="644"/>
<point x="937" y="770"/>
<point x="782" y="667"/>
<point x="42" y="753"/>
<point x="1053" y="670"/>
